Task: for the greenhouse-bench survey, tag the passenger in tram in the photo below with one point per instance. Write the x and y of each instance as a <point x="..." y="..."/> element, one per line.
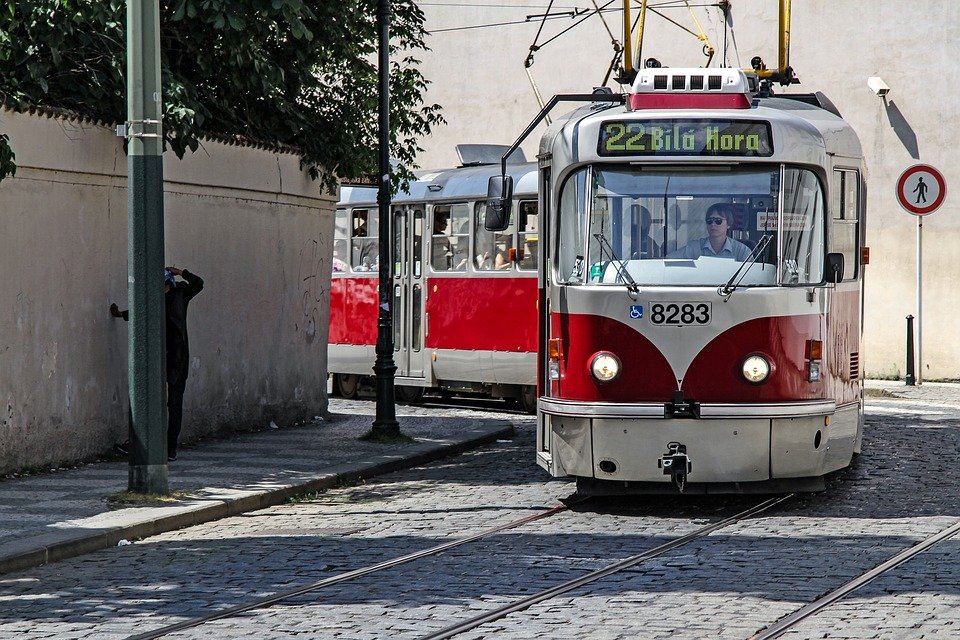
<point x="502" y="260"/>
<point x="482" y="261"/>
<point x="441" y="256"/>
<point x="339" y="253"/>
<point x="529" y="258"/>
<point x="365" y="252"/>
<point x="718" y="244"/>
<point x="643" y="245"/>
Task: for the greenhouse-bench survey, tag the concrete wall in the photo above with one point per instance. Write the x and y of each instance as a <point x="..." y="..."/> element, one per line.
<point x="478" y="76"/>
<point x="250" y="222"/>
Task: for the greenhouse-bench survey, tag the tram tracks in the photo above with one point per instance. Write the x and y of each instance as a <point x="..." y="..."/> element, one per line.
<point x="775" y="630"/>
<point x="275" y="598"/>
<point x="794" y="619"/>
<point x="593" y="576"/>
<point x="268" y="601"/>
<point x="770" y="632"/>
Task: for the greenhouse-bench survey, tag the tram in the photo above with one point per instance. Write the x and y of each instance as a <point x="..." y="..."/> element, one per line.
<point x="700" y="288"/>
<point x="464" y="305"/>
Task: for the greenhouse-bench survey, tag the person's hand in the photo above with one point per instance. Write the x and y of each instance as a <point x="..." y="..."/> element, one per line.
<point x="115" y="310"/>
<point x="174" y="270"/>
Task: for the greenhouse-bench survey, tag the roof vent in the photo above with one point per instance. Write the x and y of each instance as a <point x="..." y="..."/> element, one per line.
<point x="472" y="155"/>
<point x="696" y="88"/>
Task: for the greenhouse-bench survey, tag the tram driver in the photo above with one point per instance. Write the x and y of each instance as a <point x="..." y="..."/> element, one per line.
<point x="718" y="244"/>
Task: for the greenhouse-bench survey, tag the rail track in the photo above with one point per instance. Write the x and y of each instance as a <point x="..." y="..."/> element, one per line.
<point x="794" y="619"/>
<point x="268" y="601"/>
<point x="275" y="598"/>
<point x="593" y="576"/>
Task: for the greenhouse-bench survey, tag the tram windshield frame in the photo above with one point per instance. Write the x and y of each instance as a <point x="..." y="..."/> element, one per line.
<point x="692" y="225"/>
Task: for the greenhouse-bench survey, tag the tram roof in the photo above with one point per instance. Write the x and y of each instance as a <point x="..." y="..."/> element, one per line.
<point x="447" y="184"/>
<point x="796" y="117"/>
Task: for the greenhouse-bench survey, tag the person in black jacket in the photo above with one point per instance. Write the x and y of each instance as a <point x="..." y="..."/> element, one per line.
<point x="177" y="296"/>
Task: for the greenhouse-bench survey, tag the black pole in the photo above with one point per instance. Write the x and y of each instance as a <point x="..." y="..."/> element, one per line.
<point x="910" y="378"/>
<point x="385" y="424"/>
<point x="147" y="468"/>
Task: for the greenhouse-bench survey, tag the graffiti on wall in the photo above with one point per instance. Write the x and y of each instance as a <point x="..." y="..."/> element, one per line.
<point x="314" y="282"/>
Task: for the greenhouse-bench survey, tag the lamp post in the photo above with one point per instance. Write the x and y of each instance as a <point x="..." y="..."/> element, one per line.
<point x="147" y="471"/>
<point x="385" y="423"/>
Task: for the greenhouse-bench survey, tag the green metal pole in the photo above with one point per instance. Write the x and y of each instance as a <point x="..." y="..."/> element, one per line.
<point x="147" y="335"/>
<point x="385" y="423"/>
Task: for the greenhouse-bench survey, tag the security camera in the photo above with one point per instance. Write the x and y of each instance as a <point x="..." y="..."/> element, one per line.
<point x="878" y="86"/>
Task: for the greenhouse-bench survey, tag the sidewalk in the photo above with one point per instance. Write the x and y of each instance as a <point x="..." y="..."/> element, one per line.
<point x="58" y="515"/>
<point x="942" y="393"/>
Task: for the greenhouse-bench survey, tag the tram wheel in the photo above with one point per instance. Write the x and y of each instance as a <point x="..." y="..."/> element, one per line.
<point x="346" y="385"/>
<point x="409" y="395"/>
<point x="528" y="399"/>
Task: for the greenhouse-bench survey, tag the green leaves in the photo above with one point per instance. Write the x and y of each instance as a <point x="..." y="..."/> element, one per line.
<point x="290" y="72"/>
<point x="8" y="164"/>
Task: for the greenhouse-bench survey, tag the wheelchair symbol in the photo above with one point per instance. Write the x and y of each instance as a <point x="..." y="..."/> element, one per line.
<point x="636" y="311"/>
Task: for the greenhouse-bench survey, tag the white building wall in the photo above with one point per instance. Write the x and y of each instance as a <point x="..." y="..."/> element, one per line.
<point x="250" y="222"/>
<point x="478" y="77"/>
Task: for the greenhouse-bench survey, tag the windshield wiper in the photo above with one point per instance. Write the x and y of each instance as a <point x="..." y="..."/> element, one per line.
<point x="622" y="272"/>
<point x="731" y="286"/>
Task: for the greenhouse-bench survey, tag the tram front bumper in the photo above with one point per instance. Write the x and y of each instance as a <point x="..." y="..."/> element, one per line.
<point x="728" y="443"/>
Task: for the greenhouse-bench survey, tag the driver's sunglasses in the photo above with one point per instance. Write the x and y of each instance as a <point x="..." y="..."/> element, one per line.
<point x="715" y="220"/>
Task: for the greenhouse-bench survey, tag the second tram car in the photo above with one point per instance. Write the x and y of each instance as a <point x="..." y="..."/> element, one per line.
<point x="700" y="289"/>
<point x="464" y="299"/>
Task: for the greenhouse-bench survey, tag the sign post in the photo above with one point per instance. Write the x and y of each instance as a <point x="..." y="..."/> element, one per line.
<point x="921" y="190"/>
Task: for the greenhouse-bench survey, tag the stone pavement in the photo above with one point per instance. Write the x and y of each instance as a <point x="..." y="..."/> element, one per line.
<point x="65" y="513"/>
<point x="51" y="516"/>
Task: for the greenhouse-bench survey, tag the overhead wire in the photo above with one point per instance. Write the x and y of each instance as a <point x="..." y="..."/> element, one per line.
<point x="578" y="23"/>
<point x="669" y="4"/>
<point x="528" y="62"/>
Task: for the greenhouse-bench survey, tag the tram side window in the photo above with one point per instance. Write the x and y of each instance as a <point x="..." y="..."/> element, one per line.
<point x="491" y="248"/>
<point x="803" y="243"/>
<point x="845" y="234"/>
<point x="528" y="235"/>
<point x="364" y="232"/>
<point x="449" y="250"/>
<point x="341" y="243"/>
<point x="570" y="249"/>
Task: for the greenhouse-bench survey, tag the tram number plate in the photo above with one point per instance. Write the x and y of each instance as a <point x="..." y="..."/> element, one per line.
<point x="680" y="313"/>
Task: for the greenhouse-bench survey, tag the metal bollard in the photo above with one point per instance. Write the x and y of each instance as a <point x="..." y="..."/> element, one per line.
<point x="910" y="378"/>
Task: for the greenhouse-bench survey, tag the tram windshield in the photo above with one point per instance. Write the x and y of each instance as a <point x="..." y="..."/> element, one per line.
<point x="691" y="226"/>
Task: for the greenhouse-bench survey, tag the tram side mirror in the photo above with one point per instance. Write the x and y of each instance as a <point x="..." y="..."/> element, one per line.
<point x="499" y="197"/>
<point x="834" y="267"/>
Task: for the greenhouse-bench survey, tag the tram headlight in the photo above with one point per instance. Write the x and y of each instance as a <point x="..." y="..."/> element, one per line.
<point x="756" y="368"/>
<point x="605" y="366"/>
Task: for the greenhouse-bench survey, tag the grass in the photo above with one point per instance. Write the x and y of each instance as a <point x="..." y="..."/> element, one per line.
<point x="381" y="439"/>
<point x="124" y="499"/>
<point x="877" y="393"/>
<point x="323" y="495"/>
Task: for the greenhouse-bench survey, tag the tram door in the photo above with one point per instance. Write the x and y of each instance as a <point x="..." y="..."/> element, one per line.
<point x="408" y="286"/>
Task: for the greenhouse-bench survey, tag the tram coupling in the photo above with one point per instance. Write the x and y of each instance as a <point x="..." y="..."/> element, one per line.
<point x="681" y="408"/>
<point x="676" y="464"/>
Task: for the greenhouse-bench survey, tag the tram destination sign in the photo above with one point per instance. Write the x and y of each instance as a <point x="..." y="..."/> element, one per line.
<point x="685" y="137"/>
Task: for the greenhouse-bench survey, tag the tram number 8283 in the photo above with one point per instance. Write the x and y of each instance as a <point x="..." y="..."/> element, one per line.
<point x="677" y="313"/>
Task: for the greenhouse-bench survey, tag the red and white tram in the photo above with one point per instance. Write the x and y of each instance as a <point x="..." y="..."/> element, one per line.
<point x="700" y="288"/>
<point x="464" y="299"/>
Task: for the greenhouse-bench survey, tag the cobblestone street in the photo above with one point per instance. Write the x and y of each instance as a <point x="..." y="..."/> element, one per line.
<point x="727" y="585"/>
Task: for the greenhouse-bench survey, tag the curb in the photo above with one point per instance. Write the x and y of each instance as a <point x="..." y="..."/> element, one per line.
<point x="182" y="516"/>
